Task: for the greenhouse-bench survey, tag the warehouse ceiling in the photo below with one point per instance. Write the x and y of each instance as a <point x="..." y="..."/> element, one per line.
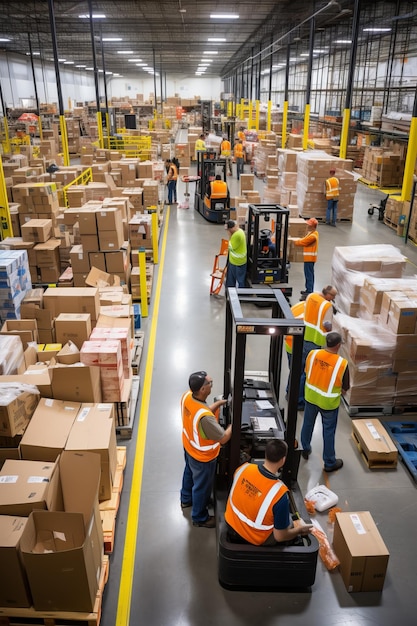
<point x="176" y="36"/>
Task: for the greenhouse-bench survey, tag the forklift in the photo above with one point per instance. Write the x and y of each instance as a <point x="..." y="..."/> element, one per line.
<point x="267" y="241"/>
<point x="212" y="209"/>
<point x="246" y="566"/>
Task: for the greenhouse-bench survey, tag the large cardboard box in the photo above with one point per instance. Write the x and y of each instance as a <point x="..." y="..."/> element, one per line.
<point x="14" y="589"/>
<point x="94" y="431"/>
<point x="37" y="230"/>
<point x="85" y="383"/>
<point x="375" y="442"/>
<point x="63" y="551"/>
<point x="46" y="435"/>
<point x="26" y="329"/>
<point x="361" y="551"/>
<point x="29" y="485"/>
<point x="72" y="300"/>
<point x="17" y="404"/>
<point x="75" y="327"/>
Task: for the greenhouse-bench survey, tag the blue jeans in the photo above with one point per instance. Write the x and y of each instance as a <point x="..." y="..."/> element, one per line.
<point x="197" y="484"/>
<point x="329" y="423"/>
<point x="309" y="276"/>
<point x="239" y="167"/>
<point x="236" y="274"/>
<point x="172" y="191"/>
<point x="331" y="210"/>
<point x="308" y="346"/>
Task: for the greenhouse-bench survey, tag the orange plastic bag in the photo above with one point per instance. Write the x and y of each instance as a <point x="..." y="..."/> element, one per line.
<point x="326" y="551"/>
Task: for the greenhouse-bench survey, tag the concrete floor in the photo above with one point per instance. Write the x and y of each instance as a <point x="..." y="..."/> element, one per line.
<point x="163" y="571"/>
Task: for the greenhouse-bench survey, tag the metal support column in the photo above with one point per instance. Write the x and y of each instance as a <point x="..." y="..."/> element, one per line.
<point x="6" y="223"/>
<point x="410" y="159"/>
<point x="96" y="84"/>
<point x="285" y="107"/>
<point x="106" y="100"/>
<point x="349" y="89"/>
<point x="308" y="86"/>
<point x="38" y="109"/>
<point x="6" y="142"/>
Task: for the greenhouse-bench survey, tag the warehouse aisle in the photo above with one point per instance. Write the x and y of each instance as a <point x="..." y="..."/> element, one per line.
<point x="175" y="566"/>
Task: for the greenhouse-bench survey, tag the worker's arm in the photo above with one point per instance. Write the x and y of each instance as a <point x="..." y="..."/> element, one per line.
<point x="216" y="405"/>
<point x="211" y="429"/>
<point x="300" y="528"/>
<point x="282" y="531"/>
<point x="227" y="435"/>
<point x="305" y="241"/>
<point x="346" y="381"/>
<point x="328" y="320"/>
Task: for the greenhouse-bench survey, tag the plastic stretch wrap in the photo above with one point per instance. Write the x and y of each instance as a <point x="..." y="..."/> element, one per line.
<point x="372" y="292"/>
<point x="382" y="260"/>
<point x="11" y="391"/>
<point x="11" y="354"/>
<point x="365" y="342"/>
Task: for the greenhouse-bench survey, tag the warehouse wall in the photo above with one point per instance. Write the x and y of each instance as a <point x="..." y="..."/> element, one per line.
<point x="206" y="88"/>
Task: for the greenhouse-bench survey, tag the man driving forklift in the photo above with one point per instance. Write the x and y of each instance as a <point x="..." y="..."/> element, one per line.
<point x="217" y="189"/>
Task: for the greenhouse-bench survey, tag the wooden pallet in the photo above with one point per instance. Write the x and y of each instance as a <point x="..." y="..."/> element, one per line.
<point x="125" y="431"/>
<point x="28" y="616"/>
<point x="373" y="463"/>
<point x="368" y="411"/>
<point x="109" y="508"/>
<point x="137" y="351"/>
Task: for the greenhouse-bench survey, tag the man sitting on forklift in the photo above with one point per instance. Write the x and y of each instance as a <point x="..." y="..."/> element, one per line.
<point x="258" y="506"/>
<point x="217" y="190"/>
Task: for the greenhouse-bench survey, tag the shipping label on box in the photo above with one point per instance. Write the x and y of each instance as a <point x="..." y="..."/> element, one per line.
<point x="375" y="443"/>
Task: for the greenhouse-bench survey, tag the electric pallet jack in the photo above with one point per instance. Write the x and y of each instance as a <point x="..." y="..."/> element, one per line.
<point x="244" y="566"/>
<point x="212" y="209"/>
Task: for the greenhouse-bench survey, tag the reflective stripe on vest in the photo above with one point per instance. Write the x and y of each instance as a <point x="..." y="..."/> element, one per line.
<point x="310" y="252"/>
<point x="327" y="396"/>
<point x="258" y="524"/>
<point x="297" y="310"/>
<point x="225" y="148"/>
<point x="313" y="330"/>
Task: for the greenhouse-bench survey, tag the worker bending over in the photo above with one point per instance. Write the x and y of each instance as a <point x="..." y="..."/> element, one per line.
<point x="258" y="508"/>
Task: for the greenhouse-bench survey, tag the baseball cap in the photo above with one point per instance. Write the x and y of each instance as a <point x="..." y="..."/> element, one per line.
<point x="230" y="224"/>
<point x="332" y="172"/>
<point x="197" y="380"/>
<point x="312" y="221"/>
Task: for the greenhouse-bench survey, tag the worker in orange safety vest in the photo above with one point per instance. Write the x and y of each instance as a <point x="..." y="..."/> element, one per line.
<point x="239" y="155"/>
<point x="226" y="153"/>
<point x="327" y="378"/>
<point x="218" y="190"/>
<point x="310" y="243"/>
<point x="332" y="196"/>
<point x="257" y="510"/>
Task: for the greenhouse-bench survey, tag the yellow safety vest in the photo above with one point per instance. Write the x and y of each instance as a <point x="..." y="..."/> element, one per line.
<point x="315" y="311"/>
<point x="324" y="375"/>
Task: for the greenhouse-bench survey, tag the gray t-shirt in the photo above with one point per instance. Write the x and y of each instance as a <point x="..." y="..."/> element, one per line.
<point x="211" y="428"/>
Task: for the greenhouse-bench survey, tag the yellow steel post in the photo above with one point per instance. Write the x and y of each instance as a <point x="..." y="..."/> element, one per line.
<point x="410" y="161"/>
<point x="229" y="109"/>
<point x="64" y="139"/>
<point x="268" y="116"/>
<point x="100" y="129"/>
<point x="344" y="134"/>
<point x="6" y="223"/>
<point x="257" y="113"/>
<point x="142" y="282"/>
<point x="284" y="124"/>
<point x="40" y="128"/>
<point x="155" y="236"/>
<point x="6" y="143"/>
<point x="108" y="129"/>
<point x="306" y="126"/>
<point x="250" y="115"/>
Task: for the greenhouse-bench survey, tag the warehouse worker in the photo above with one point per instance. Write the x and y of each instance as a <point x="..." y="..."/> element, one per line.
<point x="318" y="318"/>
<point x="217" y="190"/>
<point x="200" y="145"/>
<point x="172" y="181"/>
<point x="241" y="133"/>
<point x="239" y="158"/>
<point x="332" y="197"/>
<point x="258" y="510"/>
<point x="237" y="259"/>
<point x="202" y="437"/>
<point x="310" y="243"/>
<point x="327" y="377"/>
<point x="226" y="153"/>
<point x="298" y="311"/>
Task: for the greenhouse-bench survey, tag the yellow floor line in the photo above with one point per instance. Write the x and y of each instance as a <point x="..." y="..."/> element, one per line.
<point x="129" y="552"/>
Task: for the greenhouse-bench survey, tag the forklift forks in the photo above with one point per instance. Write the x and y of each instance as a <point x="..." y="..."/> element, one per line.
<point x="219" y="268"/>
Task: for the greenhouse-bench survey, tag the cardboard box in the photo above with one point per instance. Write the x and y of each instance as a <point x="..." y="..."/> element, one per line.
<point x="85" y="383"/>
<point x="72" y="300"/>
<point x="37" y="230"/>
<point x="110" y="240"/>
<point x="69" y="354"/>
<point x="62" y="551"/>
<point x="80" y="260"/>
<point x="375" y="442"/>
<point x="14" y="588"/>
<point x="17" y="405"/>
<point x="29" y="485"/>
<point x="109" y="219"/>
<point x="361" y="551"/>
<point x="94" y="431"/>
<point x="47" y="253"/>
<point x="46" y="434"/>
<point x="75" y="327"/>
<point x="26" y="329"/>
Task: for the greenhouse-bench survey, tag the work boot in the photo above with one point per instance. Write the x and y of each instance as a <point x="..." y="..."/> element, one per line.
<point x="209" y="523"/>
<point x="336" y="466"/>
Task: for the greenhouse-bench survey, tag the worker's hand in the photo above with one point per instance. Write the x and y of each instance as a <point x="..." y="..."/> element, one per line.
<point x="302" y="527"/>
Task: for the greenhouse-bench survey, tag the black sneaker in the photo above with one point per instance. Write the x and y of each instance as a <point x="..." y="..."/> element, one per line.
<point x="336" y="466"/>
<point x="304" y="293"/>
<point x="209" y="523"/>
<point x="186" y="505"/>
<point x="305" y="454"/>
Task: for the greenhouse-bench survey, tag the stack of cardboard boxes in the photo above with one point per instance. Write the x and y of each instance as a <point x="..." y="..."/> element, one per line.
<point x="384" y="167"/>
<point x="15" y="282"/>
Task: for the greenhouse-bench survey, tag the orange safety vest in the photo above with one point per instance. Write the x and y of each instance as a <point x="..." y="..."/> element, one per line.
<point x="332" y="188"/>
<point x="241" y="135"/>
<point x="250" y="503"/>
<point x="174" y="169"/>
<point x="314" y="314"/>
<point x="218" y="189"/>
<point x="310" y="251"/>
<point x="298" y="312"/>
<point x="238" y="151"/>
<point x="194" y="443"/>
<point x="225" y="148"/>
<point x="324" y="375"/>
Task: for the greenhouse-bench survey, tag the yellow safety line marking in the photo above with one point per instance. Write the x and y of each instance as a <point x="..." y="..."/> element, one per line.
<point x="129" y="552"/>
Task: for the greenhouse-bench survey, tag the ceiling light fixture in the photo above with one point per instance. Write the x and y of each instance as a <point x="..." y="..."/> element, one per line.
<point x="96" y="16"/>
<point x="210" y="52"/>
<point x="376" y="30"/>
<point x="112" y="39"/>
<point x="125" y="52"/>
<point x="4" y="39"/>
<point x="224" y="16"/>
<point x="68" y="62"/>
<point x="213" y="39"/>
<point x="343" y="41"/>
<point x="134" y="60"/>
